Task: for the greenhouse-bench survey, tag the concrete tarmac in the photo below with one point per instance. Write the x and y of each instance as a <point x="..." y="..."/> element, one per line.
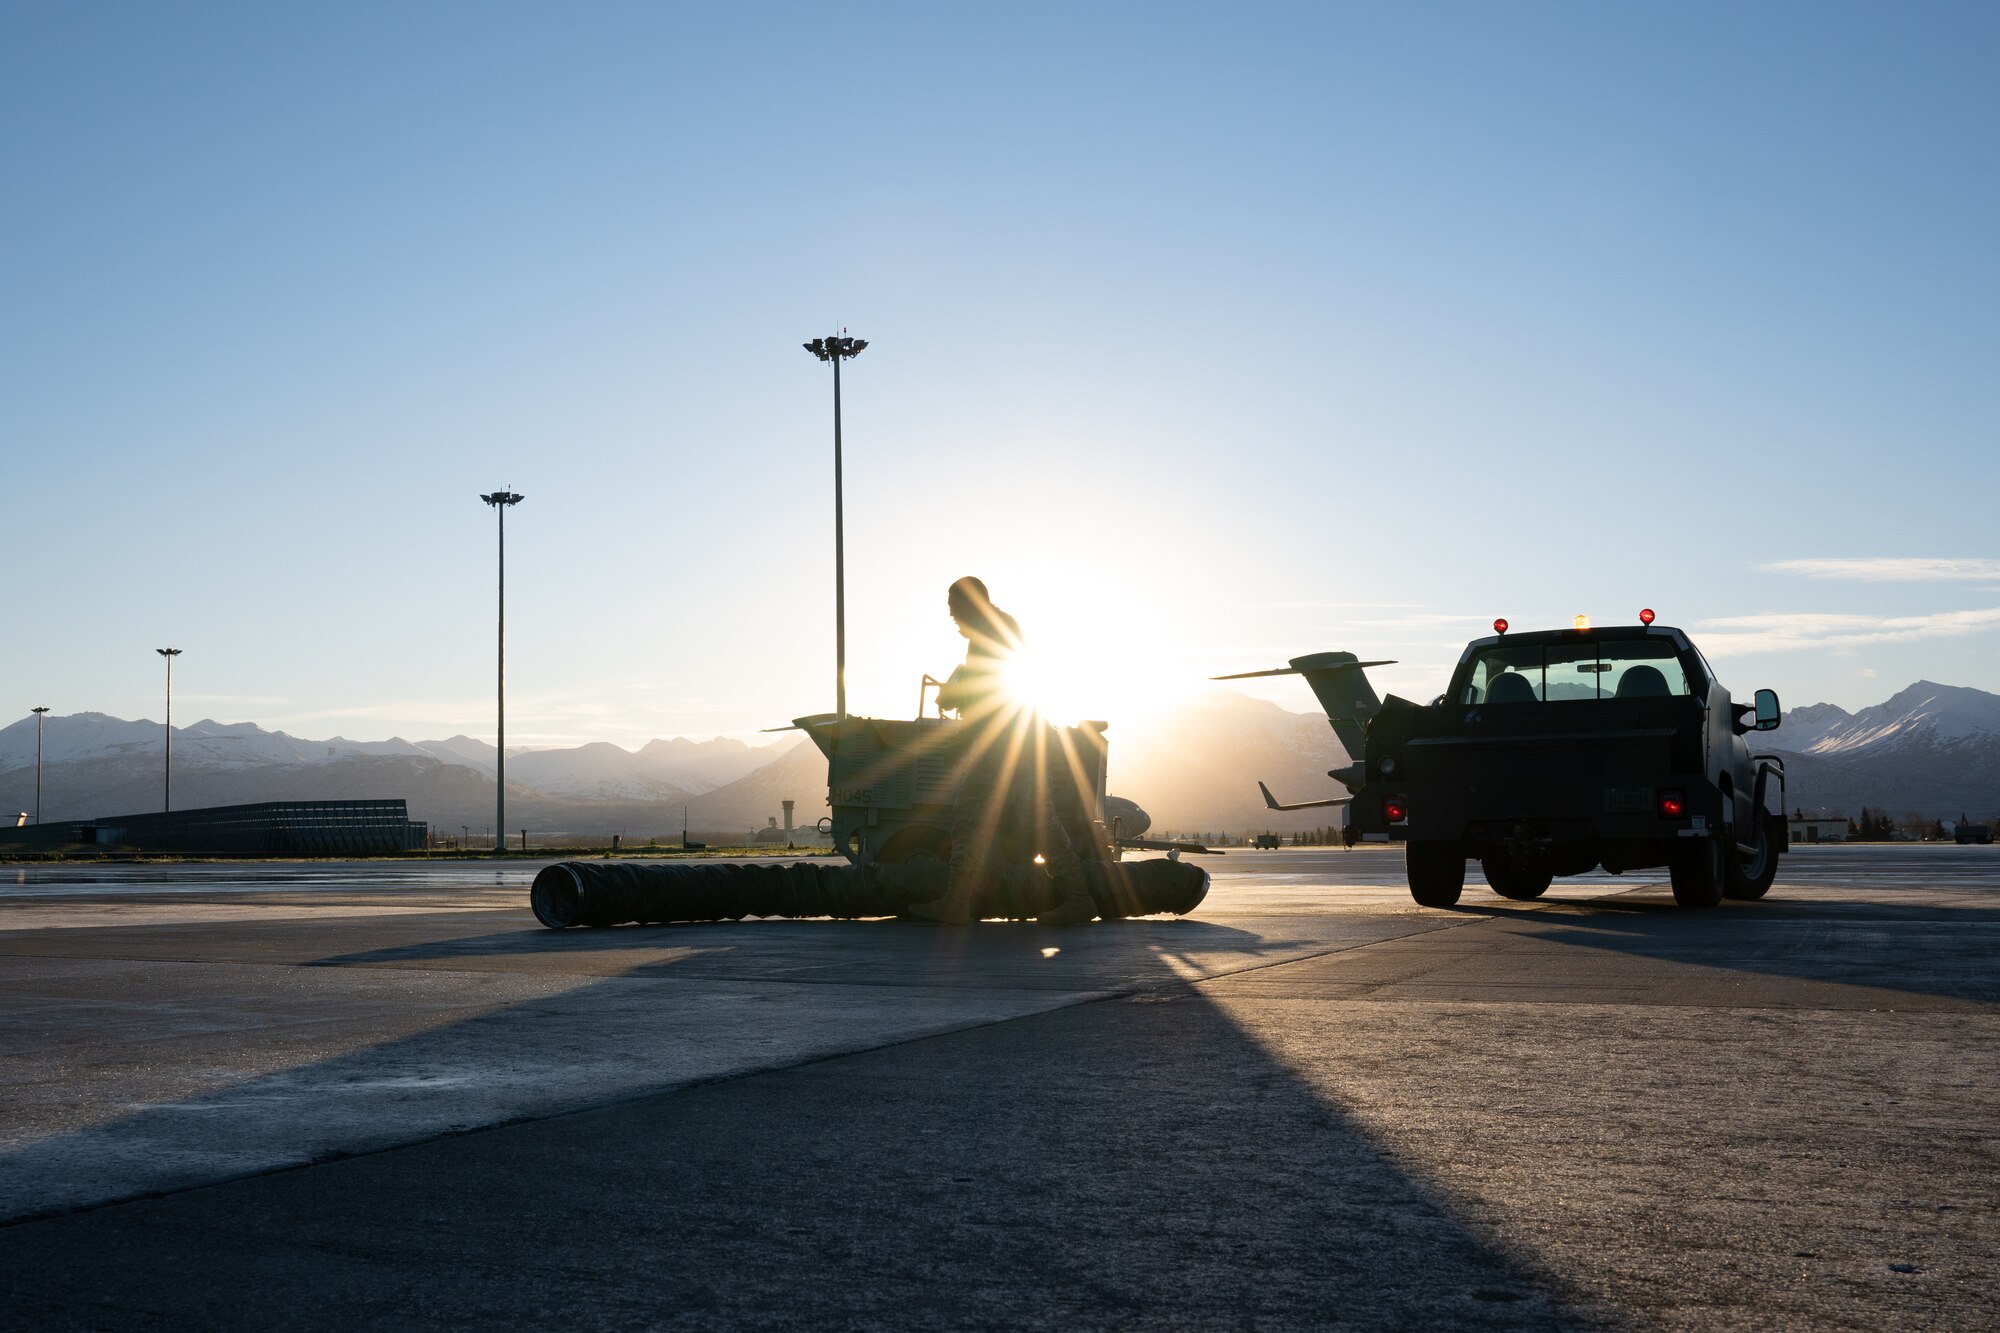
<point x="337" y="1095"/>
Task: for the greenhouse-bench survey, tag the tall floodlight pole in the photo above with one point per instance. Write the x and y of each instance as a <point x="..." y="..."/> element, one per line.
<point x="501" y="501"/>
<point x="167" y="796"/>
<point x="837" y="350"/>
<point x="38" y="712"/>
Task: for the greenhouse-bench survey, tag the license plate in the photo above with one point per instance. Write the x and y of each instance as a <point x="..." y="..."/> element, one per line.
<point x="1628" y="800"/>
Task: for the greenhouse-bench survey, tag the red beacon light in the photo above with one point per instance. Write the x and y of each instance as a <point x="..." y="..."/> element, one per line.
<point x="1500" y="626"/>
<point x="1646" y="616"/>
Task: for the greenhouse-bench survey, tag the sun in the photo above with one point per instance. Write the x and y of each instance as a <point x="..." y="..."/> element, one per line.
<point x="1100" y="677"/>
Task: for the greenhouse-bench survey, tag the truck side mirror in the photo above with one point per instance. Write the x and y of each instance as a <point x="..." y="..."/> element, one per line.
<point x="1767" y="710"/>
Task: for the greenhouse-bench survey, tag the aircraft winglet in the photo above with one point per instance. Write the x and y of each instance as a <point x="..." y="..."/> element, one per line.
<point x="1273" y="802"/>
<point x="1296" y="670"/>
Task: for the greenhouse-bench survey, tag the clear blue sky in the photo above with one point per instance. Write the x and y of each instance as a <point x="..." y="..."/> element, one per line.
<point x="1207" y="334"/>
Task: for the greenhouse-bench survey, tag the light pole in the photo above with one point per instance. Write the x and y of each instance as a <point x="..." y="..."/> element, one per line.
<point x="837" y="350"/>
<point x="38" y="712"/>
<point x="502" y="500"/>
<point x="167" y="798"/>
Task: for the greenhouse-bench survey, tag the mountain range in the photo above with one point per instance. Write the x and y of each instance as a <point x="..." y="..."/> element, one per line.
<point x="94" y="764"/>
<point x="1930" y="748"/>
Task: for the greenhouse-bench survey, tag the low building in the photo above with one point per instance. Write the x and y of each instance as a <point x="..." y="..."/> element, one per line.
<point x="267" y="828"/>
<point x="1817" y="828"/>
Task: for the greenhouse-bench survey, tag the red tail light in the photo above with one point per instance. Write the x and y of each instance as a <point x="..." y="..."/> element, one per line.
<point x="1672" y="804"/>
<point x="1395" y="809"/>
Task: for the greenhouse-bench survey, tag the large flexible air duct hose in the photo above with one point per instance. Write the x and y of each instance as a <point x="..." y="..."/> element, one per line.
<point x="610" y="893"/>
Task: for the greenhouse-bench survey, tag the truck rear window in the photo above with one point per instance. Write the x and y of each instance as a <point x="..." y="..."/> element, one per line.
<point x="1596" y="669"/>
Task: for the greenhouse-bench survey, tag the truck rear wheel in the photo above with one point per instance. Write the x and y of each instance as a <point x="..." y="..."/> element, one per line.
<point x="1697" y="871"/>
<point x="1436" y="871"/>
<point x="1749" y="877"/>
<point x="1510" y="879"/>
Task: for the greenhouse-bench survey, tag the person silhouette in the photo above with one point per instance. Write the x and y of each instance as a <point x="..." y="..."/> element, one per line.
<point x="999" y="810"/>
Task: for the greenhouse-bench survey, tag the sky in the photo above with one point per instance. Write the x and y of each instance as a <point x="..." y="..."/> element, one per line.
<point x="1208" y="335"/>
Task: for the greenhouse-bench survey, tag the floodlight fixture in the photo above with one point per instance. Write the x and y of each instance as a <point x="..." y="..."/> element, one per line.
<point x="841" y="348"/>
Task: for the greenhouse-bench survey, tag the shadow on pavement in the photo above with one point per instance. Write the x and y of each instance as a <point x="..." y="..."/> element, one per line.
<point x="1922" y="948"/>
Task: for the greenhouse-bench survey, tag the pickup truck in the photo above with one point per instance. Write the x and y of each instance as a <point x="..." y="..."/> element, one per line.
<point x="1558" y="751"/>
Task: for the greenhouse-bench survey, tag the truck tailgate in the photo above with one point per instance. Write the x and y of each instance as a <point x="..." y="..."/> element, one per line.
<point x="1561" y="775"/>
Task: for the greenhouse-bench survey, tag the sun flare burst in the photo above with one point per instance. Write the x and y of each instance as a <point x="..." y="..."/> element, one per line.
<point x="1093" y="678"/>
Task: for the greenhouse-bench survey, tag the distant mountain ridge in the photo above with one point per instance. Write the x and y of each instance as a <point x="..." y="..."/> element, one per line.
<point x="662" y="769"/>
<point x="95" y="764"/>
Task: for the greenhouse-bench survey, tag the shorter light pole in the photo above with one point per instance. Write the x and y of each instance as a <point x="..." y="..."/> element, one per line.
<point x="38" y="763"/>
<point x="167" y="800"/>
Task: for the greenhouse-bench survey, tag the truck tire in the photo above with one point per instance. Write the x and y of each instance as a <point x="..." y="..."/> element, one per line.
<point x="1749" y="877"/>
<point x="1436" y="871"/>
<point x="1697" y="871"/>
<point x="1511" y="880"/>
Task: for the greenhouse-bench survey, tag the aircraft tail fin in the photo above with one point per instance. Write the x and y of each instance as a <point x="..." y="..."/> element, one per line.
<point x="1340" y="682"/>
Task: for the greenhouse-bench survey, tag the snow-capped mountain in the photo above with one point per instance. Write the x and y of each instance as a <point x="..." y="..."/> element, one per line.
<point x="1930" y="749"/>
<point x="1926" y="715"/>
<point x="463" y="750"/>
